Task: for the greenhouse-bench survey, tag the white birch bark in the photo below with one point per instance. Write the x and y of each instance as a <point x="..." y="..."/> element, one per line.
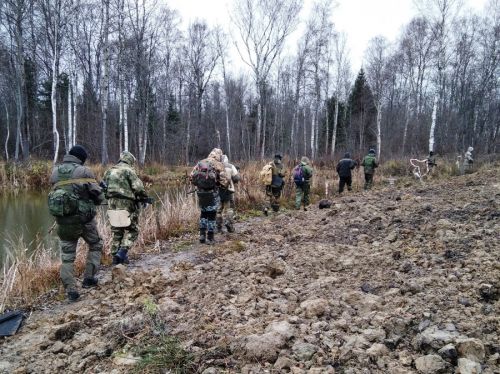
<point x="379" y="129"/>
<point x="7" y="136"/>
<point x="74" y="110"/>
<point x="125" y="123"/>
<point x="53" y="94"/>
<point x="433" y="124"/>
<point x="313" y="134"/>
<point x="335" y="123"/>
<point x="70" y="117"/>
<point x="105" y="91"/>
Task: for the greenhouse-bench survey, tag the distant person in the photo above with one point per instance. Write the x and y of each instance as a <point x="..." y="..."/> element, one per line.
<point x="125" y="192"/>
<point x="72" y="201"/>
<point x="369" y="165"/>
<point x="468" y="160"/>
<point x="302" y="175"/>
<point x="208" y="175"/>
<point x="344" y="169"/>
<point x="431" y="162"/>
<point x="225" y="213"/>
<point x="277" y="182"/>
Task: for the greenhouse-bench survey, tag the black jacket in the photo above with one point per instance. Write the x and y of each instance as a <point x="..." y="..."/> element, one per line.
<point x="345" y="166"/>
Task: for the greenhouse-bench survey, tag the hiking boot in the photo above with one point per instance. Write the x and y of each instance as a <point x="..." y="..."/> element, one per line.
<point x="219" y="229"/>
<point x="305" y="209"/>
<point x="203" y="236"/>
<point x="230" y="227"/>
<point x="89" y="282"/>
<point x="121" y="257"/>
<point x="210" y="238"/>
<point x="73" y="295"/>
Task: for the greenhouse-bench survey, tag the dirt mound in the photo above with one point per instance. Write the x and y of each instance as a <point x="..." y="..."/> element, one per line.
<point x="390" y="281"/>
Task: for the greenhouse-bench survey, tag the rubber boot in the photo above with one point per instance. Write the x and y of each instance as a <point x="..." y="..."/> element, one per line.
<point x="229" y="227"/>
<point x="89" y="282"/>
<point x="203" y="235"/>
<point x="73" y="295"/>
<point x="210" y="238"/>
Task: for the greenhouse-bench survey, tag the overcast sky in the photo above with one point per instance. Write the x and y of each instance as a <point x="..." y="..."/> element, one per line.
<point x="361" y="20"/>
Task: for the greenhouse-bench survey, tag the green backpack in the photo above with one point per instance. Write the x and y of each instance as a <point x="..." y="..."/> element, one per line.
<point x="63" y="201"/>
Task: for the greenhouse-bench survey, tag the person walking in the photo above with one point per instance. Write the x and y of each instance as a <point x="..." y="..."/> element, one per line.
<point x="369" y="165"/>
<point x="124" y="192"/>
<point x="468" y="160"/>
<point x="225" y="213"/>
<point x="207" y="176"/>
<point x="273" y="191"/>
<point x="72" y="201"/>
<point x="302" y="175"/>
<point x="344" y="169"/>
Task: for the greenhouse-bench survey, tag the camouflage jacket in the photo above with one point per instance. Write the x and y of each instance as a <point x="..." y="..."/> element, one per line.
<point x="215" y="158"/>
<point x="85" y="186"/>
<point x="123" y="182"/>
<point x="369" y="163"/>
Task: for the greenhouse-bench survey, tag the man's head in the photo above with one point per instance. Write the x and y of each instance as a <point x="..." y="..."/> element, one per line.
<point x="470" y="149"/>
<point x="347" y="155"/>
<point x="431" y="153"/>
<point x="79" y="152"/>
<point x="277" y="158"/>
<point x="305" y="160"/>
<point x="371" y="151"/>
<point x="127" y="158"/>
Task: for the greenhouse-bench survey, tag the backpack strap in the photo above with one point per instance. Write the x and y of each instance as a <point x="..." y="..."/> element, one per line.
<point x="74" y="181"/>
<point x="65" y="177"/>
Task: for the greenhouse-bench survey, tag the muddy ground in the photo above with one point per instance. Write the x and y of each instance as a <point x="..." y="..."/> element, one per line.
<point x="396" y="280"/>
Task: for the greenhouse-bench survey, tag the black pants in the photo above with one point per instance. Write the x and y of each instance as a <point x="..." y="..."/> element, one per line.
<point x="343" y="182"/>
<point x="368" y="181"/>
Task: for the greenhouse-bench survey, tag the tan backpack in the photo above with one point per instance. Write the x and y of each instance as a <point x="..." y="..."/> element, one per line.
<point x="266" y="175"/>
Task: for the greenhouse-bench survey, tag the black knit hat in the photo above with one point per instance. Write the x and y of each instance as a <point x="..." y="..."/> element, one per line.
<point x="277" y="155"/>
<point x="79" y="152"/>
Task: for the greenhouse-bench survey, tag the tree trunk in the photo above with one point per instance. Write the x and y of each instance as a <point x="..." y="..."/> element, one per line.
<point x="433" y="124"/>
<point x="407" y="122"/>
<point x="7" y="136"/>
<point x="74" y="110"/>
<point x="259" y="118"/>
<point x="264" y="129"/>
<point x="335" y="123"/>
<point x="125" y="123"/>
<point x="379" y="129"/>
<point x="105" y="91"/>
<point x="70" y="117"/>
<point x="53" y="97"/>
<point x="313" y="133"/>
<point x="327" y="135"/>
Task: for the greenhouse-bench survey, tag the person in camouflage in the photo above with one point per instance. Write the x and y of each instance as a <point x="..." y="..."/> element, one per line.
<point x="225" y="213"/>
<point x="124" y="191"/>
<point x="208" y="198"/>
<point x="303" y="187"/>
<point x="468" y="160"/>
<point x="369" y="165"/>
<point x="274" y="190"/>
<point x="82" y="183"/>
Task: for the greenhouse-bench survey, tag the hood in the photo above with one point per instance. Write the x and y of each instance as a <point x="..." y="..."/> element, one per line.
<point x="470" y="149"/>
<point x="372" y="151"/>
<point x="347" y="155"/>
<point x="216" y="154"/>
<point x="225" y="159"/>
<point x="304" y="160"/>
<point x="128" y="158"/>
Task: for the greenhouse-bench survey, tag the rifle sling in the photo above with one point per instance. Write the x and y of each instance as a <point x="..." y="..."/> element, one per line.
<point x="74" y="181"/>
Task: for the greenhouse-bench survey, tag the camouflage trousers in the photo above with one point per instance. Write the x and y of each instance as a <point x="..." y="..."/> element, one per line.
<point x="368" y="181"/>
<point x="274" y="194"/>
<point x="124" y="237"/>
<point x="225" y="213"/>
<point x="302" y="195"/>
<point x="69" y="235"/>
<point x="209" y="203"/>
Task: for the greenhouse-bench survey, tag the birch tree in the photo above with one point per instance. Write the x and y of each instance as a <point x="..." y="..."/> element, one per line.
<point x="263" y="26"/>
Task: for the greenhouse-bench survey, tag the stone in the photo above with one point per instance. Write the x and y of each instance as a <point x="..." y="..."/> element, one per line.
<point x="210" y="370"/>
<point x="314" y="307"/>
<point x="466" y="366"/>
<point x="283" y="328"/>
<point x="449" y="352"/>
<point x="119" y="273"/>
<point x="377" y="350"/>
<point x="168" y="305"/>
<point x="472" y="349"/>
<point x="263" y="347"/>
<point x="430" y="364"/>
<point x="437" y="338"/>
<point x="303" y="351"/>
<point x="65" y="331"/>
<point x="374" y="334"/>
<point x="283" y="362"/>
<point x="57" y="347"/>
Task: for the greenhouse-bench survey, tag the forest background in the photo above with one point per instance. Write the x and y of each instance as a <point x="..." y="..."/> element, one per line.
<point x="119" y="75"/>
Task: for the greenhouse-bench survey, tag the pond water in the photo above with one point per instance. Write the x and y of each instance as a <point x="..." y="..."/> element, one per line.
<point x="24" y="222"/>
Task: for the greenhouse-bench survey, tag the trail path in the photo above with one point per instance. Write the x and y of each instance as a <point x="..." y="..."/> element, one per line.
<point x="388" y="281"/>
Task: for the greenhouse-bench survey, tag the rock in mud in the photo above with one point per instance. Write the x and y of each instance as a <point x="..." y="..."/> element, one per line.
<point x="466" y="366"/>
<point x="314" y="307"/>
<point x="119" y="273"/>
<point x="303" y="351"/>
<point x="473" y="349"/>
<point x="430" y="364"/>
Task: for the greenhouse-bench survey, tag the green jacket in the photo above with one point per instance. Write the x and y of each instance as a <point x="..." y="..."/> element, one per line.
<point x="123" y="182"/>
<point x="369" y="163"/>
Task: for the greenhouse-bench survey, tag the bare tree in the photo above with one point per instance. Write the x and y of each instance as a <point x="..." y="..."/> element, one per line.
<point x="263" y="26"/>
